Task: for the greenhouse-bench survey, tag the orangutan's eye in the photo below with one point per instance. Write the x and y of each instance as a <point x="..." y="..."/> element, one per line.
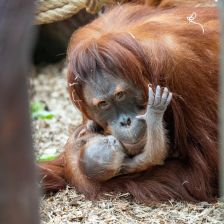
<point x="120" y="96"/>
<point x="103" y="105"/>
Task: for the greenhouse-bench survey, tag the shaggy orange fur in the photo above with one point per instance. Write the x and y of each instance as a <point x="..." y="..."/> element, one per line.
<point x="162" y="47"/>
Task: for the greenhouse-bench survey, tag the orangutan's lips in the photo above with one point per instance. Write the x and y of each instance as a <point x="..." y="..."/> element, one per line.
<point x="134" y="144"/>
<point x="135" y="148"/>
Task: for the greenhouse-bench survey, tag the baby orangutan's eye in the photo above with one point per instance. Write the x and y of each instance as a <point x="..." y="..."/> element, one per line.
<point x="120" y="96"/>
<point x="103" y="105"/>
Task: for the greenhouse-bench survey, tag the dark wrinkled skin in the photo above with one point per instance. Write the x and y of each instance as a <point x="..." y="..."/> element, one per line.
<point x="114" y="104"/>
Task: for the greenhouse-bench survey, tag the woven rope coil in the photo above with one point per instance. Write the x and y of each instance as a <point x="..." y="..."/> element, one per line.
<point x="49" y="11"/>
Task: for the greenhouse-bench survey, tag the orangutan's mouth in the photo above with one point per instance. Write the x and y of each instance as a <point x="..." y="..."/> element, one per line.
<point x="134" y="148"/>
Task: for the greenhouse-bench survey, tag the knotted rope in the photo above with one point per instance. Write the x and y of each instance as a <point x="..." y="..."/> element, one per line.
<point x="49" y="11"/>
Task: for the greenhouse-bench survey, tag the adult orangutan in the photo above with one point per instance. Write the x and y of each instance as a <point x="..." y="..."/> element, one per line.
<point x="112" y="61"/>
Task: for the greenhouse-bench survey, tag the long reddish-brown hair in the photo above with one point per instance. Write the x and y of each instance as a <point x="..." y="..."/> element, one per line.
<point x="144" y="46"/>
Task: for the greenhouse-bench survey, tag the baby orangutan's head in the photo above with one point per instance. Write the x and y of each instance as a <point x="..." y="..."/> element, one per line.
<point x="102" y="157"/>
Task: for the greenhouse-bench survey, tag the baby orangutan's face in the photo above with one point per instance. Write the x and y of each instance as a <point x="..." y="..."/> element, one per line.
<point x="102" y="157"/>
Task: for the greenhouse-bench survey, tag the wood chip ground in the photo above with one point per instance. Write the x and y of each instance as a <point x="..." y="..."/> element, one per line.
<point x="48" y="85"/>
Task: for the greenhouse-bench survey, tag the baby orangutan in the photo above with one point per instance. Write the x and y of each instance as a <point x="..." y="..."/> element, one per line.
<point x="101" y="158"/>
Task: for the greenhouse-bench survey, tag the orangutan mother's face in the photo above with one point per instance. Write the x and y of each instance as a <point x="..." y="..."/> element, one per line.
<point x="114" y="104"/>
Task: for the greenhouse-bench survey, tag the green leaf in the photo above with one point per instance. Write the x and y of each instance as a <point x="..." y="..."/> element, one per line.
<point x="47" y="157"/>
<point x="38" y="112"/>
<point x="43" y="115"/>
<point x="36" y="107"/>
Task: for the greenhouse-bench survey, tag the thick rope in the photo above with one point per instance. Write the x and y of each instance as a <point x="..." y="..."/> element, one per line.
<point x="49" y="11"/>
